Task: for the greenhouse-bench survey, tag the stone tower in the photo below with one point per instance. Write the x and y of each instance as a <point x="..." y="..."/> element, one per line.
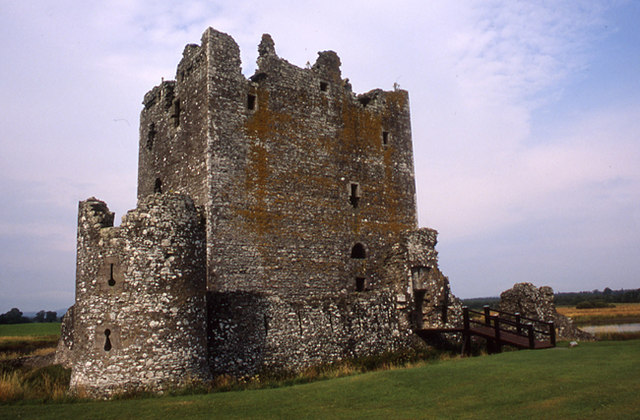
<point x="139" y="317"/>
<point x="295" y="172"/>
<point x="276" y="228"/>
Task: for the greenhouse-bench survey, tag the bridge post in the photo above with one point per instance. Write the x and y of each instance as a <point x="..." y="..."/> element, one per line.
<point x="552" y="333"/>
<point x="532" y="338"/>
<point x="487" y="315"/>
<point x="518" y="324"/>
<point x="465" y="318"/>
<point x="496" y="327"/>
<point x="466" y="336"/>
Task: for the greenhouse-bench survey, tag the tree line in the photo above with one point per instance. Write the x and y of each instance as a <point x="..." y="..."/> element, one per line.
<point x="584" y="299"/>
<point x="607" y="295"/>
<point x="14" y="316"/>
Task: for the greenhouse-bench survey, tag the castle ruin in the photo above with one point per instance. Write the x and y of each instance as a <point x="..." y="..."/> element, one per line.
<point x="276" y="228"/>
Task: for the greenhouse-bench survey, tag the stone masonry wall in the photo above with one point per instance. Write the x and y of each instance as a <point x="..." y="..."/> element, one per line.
<point x="298" y="170"/>
<point x="538" y="303"/>
<point x="139" y="317"/>
<point x="316" y="171"/>
<point x="410" y="268"/>
<point x="276" y="228"/>
<point x="253" y="332"/>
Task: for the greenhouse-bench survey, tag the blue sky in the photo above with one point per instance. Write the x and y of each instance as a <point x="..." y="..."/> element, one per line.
<point x="525" y="118"/>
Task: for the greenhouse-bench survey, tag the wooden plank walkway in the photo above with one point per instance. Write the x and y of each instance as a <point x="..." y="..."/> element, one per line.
<point x="509" y="338"/>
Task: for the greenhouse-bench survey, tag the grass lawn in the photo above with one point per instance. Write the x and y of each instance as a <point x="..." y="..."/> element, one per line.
<point x="593" y="380"/>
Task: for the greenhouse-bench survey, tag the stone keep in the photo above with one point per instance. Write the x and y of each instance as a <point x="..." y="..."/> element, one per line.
<point x="276" y="228"/>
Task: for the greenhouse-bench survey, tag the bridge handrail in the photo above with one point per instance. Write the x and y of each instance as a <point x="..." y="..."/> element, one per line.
<point x="519" y="326"/>
<point x="517" y="314"/>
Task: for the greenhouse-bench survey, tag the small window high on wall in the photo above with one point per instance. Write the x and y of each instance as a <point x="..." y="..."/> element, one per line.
<point x="251" y="102"/>
<point x="354" y="194"/>
<point x="175" y="113"/>
<point x="358" y="252"/>
<point x="385" y="138"/>
<point x="151" y="136"/>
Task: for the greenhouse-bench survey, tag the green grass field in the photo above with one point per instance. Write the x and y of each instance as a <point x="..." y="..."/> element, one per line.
<point x="31" y="329"/>
<point x="593" y="380"/>
<point x="23" y="339"/>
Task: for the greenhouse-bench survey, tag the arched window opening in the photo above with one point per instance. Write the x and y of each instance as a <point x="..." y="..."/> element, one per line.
<point x="360" y="284"/>
<point x="157" y="188"/>
<point x="358" y="252"/>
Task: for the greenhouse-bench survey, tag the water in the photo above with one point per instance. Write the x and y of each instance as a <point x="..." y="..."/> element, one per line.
<point x="594" y="329"/>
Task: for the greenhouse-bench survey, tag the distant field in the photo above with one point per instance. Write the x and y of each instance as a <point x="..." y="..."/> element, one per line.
<point x="24" y="339"/>
<point x="623" y="313"/>
<point x="592" y="380"/>
<point x="31" y="329"/>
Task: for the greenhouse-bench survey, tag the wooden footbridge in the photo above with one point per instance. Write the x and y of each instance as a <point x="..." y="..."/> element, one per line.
<point x="500" y="328"/>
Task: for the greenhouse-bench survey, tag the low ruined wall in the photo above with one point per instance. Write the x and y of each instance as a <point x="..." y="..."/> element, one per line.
<point x="252" y="332"/>
<point x="64" y="350"/>
<point x="538" y="303"/>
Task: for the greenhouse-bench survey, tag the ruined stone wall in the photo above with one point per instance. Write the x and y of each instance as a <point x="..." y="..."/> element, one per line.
<point x="174" y="132"/>
<point x="252" y="332"/>
<point x="299" y="169"/>
<point x="139" y="317"/>
<point x="423" y="293"/>
<point x="538" y="303"/>
<point x="296" y="222"/>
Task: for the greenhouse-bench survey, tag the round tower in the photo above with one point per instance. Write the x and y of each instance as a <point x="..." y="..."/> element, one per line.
<point x="139" y="318"/>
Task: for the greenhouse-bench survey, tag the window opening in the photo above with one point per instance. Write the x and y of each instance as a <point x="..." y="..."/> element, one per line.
<point x="157" y="188"/>
<point x="300" y="322"/>
<point x="420" y="277"/>
<point x="364" y="101"/>
<point x="175" y="115"/>
<point x="112" y="281"/>
<point x="107" y="341"/>
<point x="385" y="138"/>
<point x="419" y="307"/>
<point x="358" y="252"/>
<point x="151" y="136"/>
<point x="324" y="86"/>
<point x="354" y="196"/>
<point x="360" y="283"/>
<point x="251" y="102"/>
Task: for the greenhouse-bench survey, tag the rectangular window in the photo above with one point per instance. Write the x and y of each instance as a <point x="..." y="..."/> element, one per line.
<point x="251" y="102"/>
<point x="354" y="194"/>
